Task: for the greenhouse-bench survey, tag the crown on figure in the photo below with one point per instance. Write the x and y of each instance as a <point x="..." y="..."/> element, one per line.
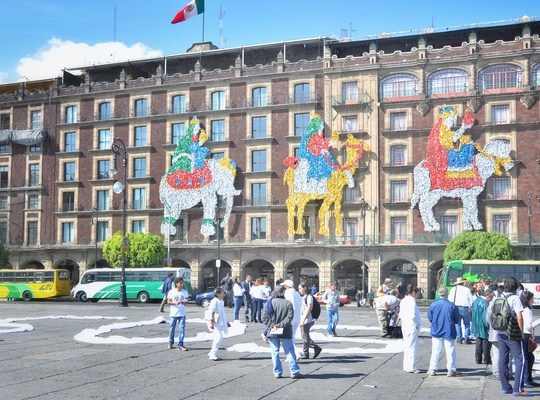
<point x="194" y="120"/>
<point x="446" y="111"/>
<point x="315" y="115"/>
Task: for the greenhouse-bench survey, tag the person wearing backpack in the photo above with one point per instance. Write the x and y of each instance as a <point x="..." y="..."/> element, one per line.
<point x="307" y="319"/>
<point x="507" y="319"/>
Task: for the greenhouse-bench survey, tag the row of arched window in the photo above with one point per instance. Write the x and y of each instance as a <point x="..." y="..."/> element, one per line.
<point x="456" y="81"/>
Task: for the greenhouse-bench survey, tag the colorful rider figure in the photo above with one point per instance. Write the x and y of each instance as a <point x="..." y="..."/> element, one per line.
<point x="314" y="147"/>
<point x="190" y="153"/>
<point x="450" y="154"/>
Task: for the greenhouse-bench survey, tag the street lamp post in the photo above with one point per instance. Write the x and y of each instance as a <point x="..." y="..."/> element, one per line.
<point x="218" y="261"/>
<point x="529" y="215"/>
<point x="119" y="148"/>
<point x="363" y="216"/>
<point x="96" y="222"/>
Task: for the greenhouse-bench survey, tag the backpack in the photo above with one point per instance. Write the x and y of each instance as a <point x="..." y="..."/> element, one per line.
<point x="315" y="308"/>
<point x="500" y="314"/>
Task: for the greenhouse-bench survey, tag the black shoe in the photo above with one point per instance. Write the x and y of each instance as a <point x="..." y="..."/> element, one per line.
<point x="317" y="352"/>
<point x="304" y="356"/>
<point x="468" y="341"/>
<point x="297" y="376"/>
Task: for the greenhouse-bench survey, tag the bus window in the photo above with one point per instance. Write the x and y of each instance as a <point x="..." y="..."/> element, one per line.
<point x="63" y="275"/>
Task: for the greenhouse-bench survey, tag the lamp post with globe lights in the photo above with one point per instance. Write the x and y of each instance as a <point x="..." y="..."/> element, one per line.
<point x="119" y="148"/>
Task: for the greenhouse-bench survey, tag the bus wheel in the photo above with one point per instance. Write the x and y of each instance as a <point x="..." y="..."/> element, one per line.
<point x="83" y="297"/>
<point x="27" y="296"/>
<point x="143" y="297"/>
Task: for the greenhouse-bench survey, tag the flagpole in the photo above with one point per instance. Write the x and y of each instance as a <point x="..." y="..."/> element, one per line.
<point x="203" y="14"/>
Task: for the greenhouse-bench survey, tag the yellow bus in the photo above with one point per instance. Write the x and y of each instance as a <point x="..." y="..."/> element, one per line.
<point x="28" y="284"/>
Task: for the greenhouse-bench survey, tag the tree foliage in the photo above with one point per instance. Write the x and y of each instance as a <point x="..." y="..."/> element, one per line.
<point x="479" y="245"/>
<point x="145" y="250"/>
<point x="4" y="255"/>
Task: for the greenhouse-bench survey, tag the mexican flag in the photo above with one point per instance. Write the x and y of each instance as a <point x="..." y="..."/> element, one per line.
<point x="194" y="7"/>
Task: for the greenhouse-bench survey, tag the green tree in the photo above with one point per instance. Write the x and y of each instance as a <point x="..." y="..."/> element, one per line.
<point x="4" y="255"/>
<point x="145" y="250"/>
<point x="479" y="245"/>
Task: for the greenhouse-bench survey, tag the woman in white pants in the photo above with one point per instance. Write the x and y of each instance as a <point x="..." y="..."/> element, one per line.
<point x="410" y="326"/>
<point x="217" y="322"/>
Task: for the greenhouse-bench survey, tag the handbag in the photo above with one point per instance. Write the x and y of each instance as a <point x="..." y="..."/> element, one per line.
<point x="531" y="345"/>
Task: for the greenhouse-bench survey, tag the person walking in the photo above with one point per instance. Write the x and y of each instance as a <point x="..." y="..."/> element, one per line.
<point x="306" y="322"/>
<point x="279" y="320"/>
<point x="217" y="322"/>
<point x="238" y="297"/>
<point x="462" y="298"/>
<point x="331" y="299"/>
<point x="409" y="314"/>
<point x="443" y="316"/>
<point x="510" y="341"/>
<point x="177" y="298"/>
<point x="480" y="326"/>
<point x="167" y="285"/>
<point x="527" y="299"/>
<point x="248" y="302"/>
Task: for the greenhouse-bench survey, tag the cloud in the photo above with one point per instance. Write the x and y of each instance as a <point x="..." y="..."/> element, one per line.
<point x="57" y="54"/>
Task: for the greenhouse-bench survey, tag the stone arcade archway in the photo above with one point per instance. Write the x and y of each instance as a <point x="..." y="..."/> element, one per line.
<point x="402" y="272"/>
<point x="303" y="271"/>
<point x="348" y="274"/>
<point x="259" y="269"/>
<point x="208" y="274"/>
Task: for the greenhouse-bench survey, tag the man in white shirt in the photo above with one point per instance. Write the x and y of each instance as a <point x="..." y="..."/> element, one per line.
<point x="177" y="298"/>
<point x="462" y="298"/>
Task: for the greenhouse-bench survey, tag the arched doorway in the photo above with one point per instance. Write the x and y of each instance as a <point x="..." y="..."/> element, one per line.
<point x="303" y="271"/>
<point x="210" y="275"/>
<point x="348" y="274"/>
<point x="402" y="272"/>
<point x="259" y="269"/>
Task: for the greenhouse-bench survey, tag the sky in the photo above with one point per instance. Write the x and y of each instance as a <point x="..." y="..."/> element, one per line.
<point x="39" y="38"/>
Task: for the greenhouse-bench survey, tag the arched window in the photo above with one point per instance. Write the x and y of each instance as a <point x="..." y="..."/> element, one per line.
<point x="398" y="85"/>
<point x="535" y="79"/>
<point x="448" y="81"/>
<point x="499" y="77"/>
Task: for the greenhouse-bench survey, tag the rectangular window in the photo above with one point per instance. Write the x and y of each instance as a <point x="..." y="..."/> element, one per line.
<point x="398" y="191"/>
<point x="349" y="123"/>
<point x="103" y="169"/>
<point x="258" y="127"/>
<point x="104" y="139"/>
<point x="71" y="114"/>
<point x="501" y="223"/>
<point x="4" y="176"/>
<point x="217" y="155"/>
<point x="102" y="231"/>
<point x="306" y="225"/>
<point x="139" y="167"/>
<point x="258" y="160"/>
<point x="138" y="226"/>
<point x="302" y="93"/>
<point x="350" y="93"/>
<point x="217" y="130"/>
<point x="398" y="121"/>
<point x="179" y="235"/>
<point x="68" y="201"/>
<point x="178" y="104"/>
<point x="259" y="97"/>
<point x="34" y="148"/>
<point x="33" y="175"/>
<point x="139" y="139"/>
<point x="350" y="226"/>
<point x="31" y="233"/>
<point x="301" y="121"/>
<point x="69" y="171"/>
<point x="105" y="111"/>
<point x="70" y="142"/>
<point x="258" y="194"/>
<point x="102" y="200"/>
<point x="398" y="228"/>
<point x="3" y="231"/>
<point x="141" y="108"/>
<point x="258" y="228"/>
<point x="351" y="195"/>
<point x="68" y="232"/>
<point x="501" y="187"/>
<point x="177" y="131"/>
<point x="398" y="156"/>
<point x="33" y="201"/>
<point x="449" y="226"/>
<point x="5" y="121"/>
<point x="218" y="101"/>
<point x="36" y="122"/>
<point x="500" y="114"/>
<point x="3" y="202"/>
<point x="5" y="149"/>
<point x="139" y="199"/>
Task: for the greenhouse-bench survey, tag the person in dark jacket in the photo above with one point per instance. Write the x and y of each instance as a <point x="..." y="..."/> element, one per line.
<point x="279" y="315"/>
<point x="167" y="285"/>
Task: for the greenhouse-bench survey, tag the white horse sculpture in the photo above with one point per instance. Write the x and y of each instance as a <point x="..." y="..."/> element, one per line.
<point x="175" y="201"/>
<point x="494" y="157"/>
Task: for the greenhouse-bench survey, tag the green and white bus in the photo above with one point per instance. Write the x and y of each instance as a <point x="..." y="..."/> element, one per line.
<point x="142" y="284"/>
<point x="526" y="272"/>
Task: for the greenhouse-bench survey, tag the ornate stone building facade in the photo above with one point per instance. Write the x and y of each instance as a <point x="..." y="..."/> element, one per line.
<point x="57" y="206"/>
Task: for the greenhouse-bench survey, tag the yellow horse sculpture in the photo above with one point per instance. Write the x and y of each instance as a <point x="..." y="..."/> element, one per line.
<point x="297" y="200"/>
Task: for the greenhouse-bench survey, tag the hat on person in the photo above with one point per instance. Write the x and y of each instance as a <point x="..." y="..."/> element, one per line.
<point x="443" y="292"/>
<point x="459" y="281"/>
<point x="388" y="280"/>
<point x="288" y="283"/>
